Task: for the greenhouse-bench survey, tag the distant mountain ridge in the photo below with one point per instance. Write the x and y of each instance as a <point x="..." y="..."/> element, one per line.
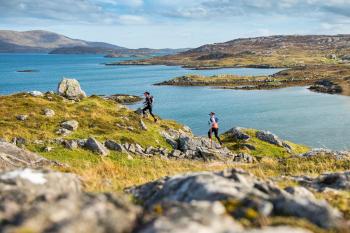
<point x="39" y="41"/>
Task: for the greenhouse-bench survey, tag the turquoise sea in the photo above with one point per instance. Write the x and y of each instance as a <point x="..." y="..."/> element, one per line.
<point x="296" y="114"/>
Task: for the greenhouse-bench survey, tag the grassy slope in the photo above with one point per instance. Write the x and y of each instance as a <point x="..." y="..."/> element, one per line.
<point x="99" y="118"/>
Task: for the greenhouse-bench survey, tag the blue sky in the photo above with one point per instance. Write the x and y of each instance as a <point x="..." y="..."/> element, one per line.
<point x="175" y="23"/>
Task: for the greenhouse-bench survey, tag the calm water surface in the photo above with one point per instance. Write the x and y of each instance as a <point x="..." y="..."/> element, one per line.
<point x="296" y="114"/>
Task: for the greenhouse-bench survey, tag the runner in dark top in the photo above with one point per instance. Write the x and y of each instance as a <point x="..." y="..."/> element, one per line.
<point x="148" y="105"/>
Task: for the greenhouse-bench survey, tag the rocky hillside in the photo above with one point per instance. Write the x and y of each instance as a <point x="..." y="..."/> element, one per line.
<point x="72" y="163"/>
<point x="273" y="51"/>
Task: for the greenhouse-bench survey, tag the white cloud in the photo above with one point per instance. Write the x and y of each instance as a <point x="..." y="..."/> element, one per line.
<point x="77" y="11"/>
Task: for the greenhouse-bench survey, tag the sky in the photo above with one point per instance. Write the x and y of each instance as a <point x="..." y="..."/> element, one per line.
<point x="175" y="23"/>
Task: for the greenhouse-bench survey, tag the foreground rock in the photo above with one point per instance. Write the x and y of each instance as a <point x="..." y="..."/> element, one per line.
<point x="70" y="89"/>
<point x="46" y="201"/>
<point x="13" y="157"/>
<point x="336" y="181"/>
<point x="192" y="217"/>
<point x="240" y="187"/>
<point x="200" y="216"/>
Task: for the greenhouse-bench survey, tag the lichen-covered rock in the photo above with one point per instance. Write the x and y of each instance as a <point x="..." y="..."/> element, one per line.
<point x="264" y="197"/>
<point x="37" y="200"/>
<point x="95" y="146"/>
<point x="12" y="156"/>
<point x="70" y="89"/>
<point x="192" y="217"/>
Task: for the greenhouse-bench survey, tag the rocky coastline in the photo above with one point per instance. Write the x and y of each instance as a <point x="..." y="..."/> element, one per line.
<point x="76" y="163"/>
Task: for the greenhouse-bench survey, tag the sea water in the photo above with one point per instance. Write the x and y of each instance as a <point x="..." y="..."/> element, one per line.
<point x="295" y="114"/>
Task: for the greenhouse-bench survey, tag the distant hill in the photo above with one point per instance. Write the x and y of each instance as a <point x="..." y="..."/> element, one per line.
<point x="271" y="51"/>
<point x="42" y="41"/>
<point x="111" y="51"/>
<point x="39" y="41"/>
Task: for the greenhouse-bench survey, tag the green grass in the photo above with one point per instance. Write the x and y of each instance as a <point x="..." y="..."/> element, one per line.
<point x="102" y="119"/>
<point x="97" y="117"/>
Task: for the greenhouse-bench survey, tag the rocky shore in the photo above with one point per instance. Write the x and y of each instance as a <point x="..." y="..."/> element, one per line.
<point x="72" y="163"/>
<point x="326" y="79"/>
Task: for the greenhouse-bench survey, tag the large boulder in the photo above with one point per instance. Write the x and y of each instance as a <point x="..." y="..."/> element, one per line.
<point x="272" y="139"/>
<point x="201" y="148"/>
<point x="47" y="201"/>
<point x="237" y="134"/>
<point x="12" y="156"/>
<point x="70" y="89"/>
<point x="240" y="187"/>
<point x="269" y="137"/>
<point x="96" y="147"/>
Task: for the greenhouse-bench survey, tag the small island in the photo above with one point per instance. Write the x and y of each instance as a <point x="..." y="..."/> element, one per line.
<point x="327" y="79"/>
<point x="27" y="71"/>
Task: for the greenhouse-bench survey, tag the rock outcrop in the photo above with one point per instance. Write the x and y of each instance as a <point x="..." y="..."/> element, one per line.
<point x="319" y="152"/>
<point x="192" y="217"/>
<point x="95" y="146"/>
<point x="272" y="139"/>
<point x="241" y="188"/>
<point x="70" y="89"/>
<point x="237" y="134"/>
<point x="12" y="156"/>
<point x="46" y="201"/>
<point x="187" y="146"/>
